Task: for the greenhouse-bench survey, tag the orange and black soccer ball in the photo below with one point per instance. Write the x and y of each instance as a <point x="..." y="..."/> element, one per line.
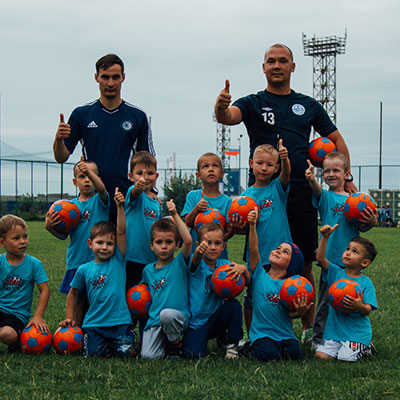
<point x="139" y="300"/>
<point x="68" y="340"/>
<point x="223" y="285"/>
<point x="319" y="148"/>
<point x="355" y="204"/>
<point x="293" y="287"/>
<point x="340" y="289"/>
<point x="33" y="341"/>
<point x="209" y="215"/>
<point x="241" y="207"/>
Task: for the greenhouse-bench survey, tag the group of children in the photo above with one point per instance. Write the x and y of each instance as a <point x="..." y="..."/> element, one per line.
<point x="104" y="261"/>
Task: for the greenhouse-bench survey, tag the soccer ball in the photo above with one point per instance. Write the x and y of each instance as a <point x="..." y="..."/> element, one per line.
<point x="294" y="286"/>
<point x="355" y="204"/>
<point x="139" y="300"/>
<point x="319" y="148"/>
<point x="68" y="340"/>
<point x="340" y="289"/>
<point x="68" y="213"/>
<point x="35" y="342"/>
<point x="242" y="206"/>
<point x="209" y="215"/>
<point x="223" y="285"/>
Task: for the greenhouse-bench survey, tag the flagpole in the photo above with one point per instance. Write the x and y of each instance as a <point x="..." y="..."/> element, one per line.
<point x="240" y="154"/>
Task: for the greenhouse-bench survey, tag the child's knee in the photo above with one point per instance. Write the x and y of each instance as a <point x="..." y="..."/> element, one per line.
<point x="322" y="356"/>
<point x="8" y="335"/>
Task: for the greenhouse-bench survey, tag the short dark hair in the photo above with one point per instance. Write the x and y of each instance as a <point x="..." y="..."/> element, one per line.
<point x="209" y="227"/>
<point x="164" y="225"/>
<point x="9" y="222"/>
<point x="102" y="228"/>
<point x="143" y="157"/>
<point x="369" y="248"/>
<point x="108" y="61"/>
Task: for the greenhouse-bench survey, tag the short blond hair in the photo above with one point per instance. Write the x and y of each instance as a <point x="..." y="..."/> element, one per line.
<point x="340" y="156"/>
<point x="209" y="154"/>
<point x="266" y="148"/>
<point x="9" y="222"/>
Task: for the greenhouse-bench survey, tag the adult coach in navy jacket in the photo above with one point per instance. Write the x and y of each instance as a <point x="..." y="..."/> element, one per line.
<point x="276" y="113"/>
<point x="109" y="129"/>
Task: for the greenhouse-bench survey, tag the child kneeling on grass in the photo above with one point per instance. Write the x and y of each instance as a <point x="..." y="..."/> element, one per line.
<point x="347" y="336"/>
<point x="18" y="274"/>
<point x="211" y="315"/>
<point x="167" y="280"/>
<point x="107" y="323"/>
<point x="271" y="334"/>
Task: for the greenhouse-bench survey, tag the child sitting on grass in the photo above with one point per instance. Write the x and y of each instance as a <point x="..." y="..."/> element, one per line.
<point x="211" y="315"/>
<point x="347" y="336"/>
<point x="18" y="274"/>
<point x="107" y="323"/>
<point x="271" y="334"/>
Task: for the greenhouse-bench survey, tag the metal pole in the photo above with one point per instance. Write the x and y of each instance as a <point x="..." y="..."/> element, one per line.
<point x="240" y="155"/>
<point x="380" y="147"/>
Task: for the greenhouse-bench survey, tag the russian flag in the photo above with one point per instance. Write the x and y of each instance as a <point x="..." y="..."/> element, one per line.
<point x="232" y="152"/>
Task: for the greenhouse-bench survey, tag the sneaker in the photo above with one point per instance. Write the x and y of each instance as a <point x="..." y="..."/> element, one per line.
<point x="370" y="350"/>
<point x="14" y="347"/>
<point x="173" y="351"/>
<point x="306" y="336"/>
<point x="231" y="351"/>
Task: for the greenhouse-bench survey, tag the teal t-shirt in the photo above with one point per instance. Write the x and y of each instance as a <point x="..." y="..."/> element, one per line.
<point x="92" y="211"/>
<point x="105" y="287"/>
<point x="272" y="226"/>
<point x="270" y="318"/>
<point x="203" y="302"/>
<point x="222" y="203"/>
<point x="17" y="284"/>
<point x="168" y="287"/>
<point x="140" y="213"/>
<point x="354" y="327"/>
<point x="331" y="210"/>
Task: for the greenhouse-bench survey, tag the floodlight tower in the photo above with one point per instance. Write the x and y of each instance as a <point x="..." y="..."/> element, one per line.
<point x="324" y="51"/>
<point x="223" y="143"/>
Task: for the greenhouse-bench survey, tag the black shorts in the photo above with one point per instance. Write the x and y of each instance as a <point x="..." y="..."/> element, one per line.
<point x="12" y="321"/>
<point x="303" y="220"/>
<point x="133" y="273"/>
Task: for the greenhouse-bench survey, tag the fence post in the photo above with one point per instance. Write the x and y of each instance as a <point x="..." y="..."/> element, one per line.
<point x="16" y="186"/>
<point x="62" y="180"/>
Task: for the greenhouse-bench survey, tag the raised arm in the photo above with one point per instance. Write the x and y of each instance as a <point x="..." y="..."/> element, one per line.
<point x="61" y="153"/>
<point x="285" y="164"/>
<point x="223" y="112"/>
<point x="198" y="254"/>
<point x="201" y="206"/>
<point x="121" y="222"/>
<point x="95" y="179"/>
<point x="326" y="231"/>
<point x="183" y="230"/>
<point x="315" y="186"/>
<point x="253" y="239"/>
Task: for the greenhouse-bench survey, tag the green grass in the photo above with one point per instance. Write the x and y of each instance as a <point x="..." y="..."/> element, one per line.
<point x="59" y="377"/>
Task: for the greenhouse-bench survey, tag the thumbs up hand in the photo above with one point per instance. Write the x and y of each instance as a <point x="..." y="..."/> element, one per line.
<point x="63" y="130"/>
<point x="224" y="98"/>
<point x="283" y="151"/>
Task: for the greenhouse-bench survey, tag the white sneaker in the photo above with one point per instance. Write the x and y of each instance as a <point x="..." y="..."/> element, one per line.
<point x="231" y="351"/>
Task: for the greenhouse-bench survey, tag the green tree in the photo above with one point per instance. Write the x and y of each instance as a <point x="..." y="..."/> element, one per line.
<point x="179" y="186"/>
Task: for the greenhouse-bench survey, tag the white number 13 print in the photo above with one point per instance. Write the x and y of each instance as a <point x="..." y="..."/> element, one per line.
<point x="269" y="117"/>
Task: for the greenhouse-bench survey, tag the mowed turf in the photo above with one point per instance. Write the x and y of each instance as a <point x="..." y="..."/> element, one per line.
<point x="52" y="376"/>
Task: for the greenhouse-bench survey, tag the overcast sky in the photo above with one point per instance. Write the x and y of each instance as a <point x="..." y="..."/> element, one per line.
<point x="177" y="56"/>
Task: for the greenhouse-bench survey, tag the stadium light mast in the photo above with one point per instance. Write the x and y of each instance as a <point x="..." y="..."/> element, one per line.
<point x="223" y="143"/>
<point x="324" y="51"/>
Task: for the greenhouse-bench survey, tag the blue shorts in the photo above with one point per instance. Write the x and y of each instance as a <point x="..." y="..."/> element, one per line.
<point x="66" y="283"/>
<point x="109" y="341"/>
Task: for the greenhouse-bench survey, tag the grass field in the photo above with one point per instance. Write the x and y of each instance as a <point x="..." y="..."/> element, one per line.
<point x="60" y="377"/>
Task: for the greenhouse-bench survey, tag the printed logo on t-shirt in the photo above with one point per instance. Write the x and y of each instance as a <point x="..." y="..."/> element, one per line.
<point x="273" y="298"/>
<point x="127" y="125"/>
<point x="85" y="216"/>
<point x="98" y="281"/>
<point x="150" y="214"/>
<point x="207" y="286"/>
<point x="337" y="209"/>
<point x="298" y="109"/>
<point x="266" y="205"/>
<point x="92" y="125"/>
<point x="159" y="284"/>
<point x="12" y="282"/>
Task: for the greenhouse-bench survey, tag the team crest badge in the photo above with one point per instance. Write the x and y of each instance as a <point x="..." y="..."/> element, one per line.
<point x="298" y="109"/>
<point x="127" y="125"/>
